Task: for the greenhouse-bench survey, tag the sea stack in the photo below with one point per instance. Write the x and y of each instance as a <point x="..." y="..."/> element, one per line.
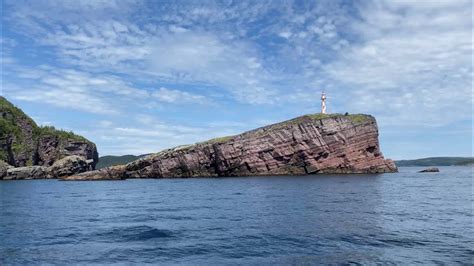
<point x="310" y="144"/>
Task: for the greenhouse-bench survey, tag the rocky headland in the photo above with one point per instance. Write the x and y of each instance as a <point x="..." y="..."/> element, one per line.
<point x="28" y="151"/>
<point x="310" y="144"/>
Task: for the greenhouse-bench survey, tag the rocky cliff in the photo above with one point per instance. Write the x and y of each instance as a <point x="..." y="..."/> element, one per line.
<point x="309" y="144"/>
<point x="23" y="143"/>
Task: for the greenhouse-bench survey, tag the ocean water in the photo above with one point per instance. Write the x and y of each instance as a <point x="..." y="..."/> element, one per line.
<point x="402" y="218"/>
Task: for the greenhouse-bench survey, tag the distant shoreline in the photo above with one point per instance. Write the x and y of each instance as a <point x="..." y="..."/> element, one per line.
<point x="110" y="160"/>
<point x="437" y="161"/>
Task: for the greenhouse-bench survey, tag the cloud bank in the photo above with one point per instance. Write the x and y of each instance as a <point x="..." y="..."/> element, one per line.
<point x="198" y="64"/>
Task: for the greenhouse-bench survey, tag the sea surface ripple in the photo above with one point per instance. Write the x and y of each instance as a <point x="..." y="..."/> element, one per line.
<point x="402" y="218"/>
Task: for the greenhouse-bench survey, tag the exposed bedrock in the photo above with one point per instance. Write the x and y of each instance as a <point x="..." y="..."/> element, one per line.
<point x="27" y="172"/>
<point x="107" y="173"/>
<point x="70" y="165"/>
<point x="24" y="143"/>
<point x="305" y="145"/>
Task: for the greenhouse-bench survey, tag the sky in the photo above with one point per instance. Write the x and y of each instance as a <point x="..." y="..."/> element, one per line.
<point x="137" y="77"/>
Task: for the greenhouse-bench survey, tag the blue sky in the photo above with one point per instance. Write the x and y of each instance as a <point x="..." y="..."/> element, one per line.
<point x="139" y="76"/>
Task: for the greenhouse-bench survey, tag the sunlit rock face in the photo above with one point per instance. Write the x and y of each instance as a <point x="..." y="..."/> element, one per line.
<point x="309" y="144"/>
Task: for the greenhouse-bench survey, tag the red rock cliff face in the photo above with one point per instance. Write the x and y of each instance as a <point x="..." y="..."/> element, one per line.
<point x="52" y="148"/>
<point x="305" y="145"/>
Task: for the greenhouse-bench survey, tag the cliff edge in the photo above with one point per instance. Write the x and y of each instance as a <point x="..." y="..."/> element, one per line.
<point x="309" y="144"/>
<point x="23" y="143"/>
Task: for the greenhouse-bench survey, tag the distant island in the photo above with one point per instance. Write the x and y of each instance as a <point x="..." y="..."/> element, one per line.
<point x="437" y="161"/>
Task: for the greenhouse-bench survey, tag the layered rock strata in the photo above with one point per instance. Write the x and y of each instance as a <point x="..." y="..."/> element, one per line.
<point x="310" y="144"/>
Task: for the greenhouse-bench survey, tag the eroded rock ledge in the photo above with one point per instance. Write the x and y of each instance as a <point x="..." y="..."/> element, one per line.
<point x="309" y="144"/>
<point x="23" y="143"/>
<point x="71" y="165"/>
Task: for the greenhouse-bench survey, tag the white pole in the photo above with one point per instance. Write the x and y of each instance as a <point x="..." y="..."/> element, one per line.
<point x="323" y="103"/>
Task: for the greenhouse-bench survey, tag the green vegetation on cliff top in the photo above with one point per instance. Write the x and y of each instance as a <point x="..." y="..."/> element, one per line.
<point x="217" y="140"/>
<point x="355" y="118"/>
<point x="12" y="119"/>
<point x="10" y="115"/>
<point x="61" y="134"/>
<point x="9" y="127"/>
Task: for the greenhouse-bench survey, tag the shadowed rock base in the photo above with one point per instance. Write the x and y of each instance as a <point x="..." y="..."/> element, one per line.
<point x="67" y="166"/>
<point x="108" y="173"/>
<point x="430" y="170"/>
<point x="309" y="144"/>
<point x="27" y="172"/>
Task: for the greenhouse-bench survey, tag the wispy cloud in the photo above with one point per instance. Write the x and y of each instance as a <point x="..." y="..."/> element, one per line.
<point x="151" y="135"/>
<point x="408" y="63"/>
<point x="177" y="96"/>
<point x="71" y="89"/>
<point x="412" y="65"/>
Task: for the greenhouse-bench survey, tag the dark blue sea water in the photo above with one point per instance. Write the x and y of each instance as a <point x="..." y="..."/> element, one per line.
<point x="403" y="218"/>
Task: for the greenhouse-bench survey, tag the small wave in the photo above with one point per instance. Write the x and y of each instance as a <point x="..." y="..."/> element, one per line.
<point x="409" y="243"/>
<point x="134" y="233"/>
<point x="78" y="196"/>
<point x="60" y="242"/>
<point x="93" y="200"/>
<point x="179" y="218"/>
<point x="382" y="241"/>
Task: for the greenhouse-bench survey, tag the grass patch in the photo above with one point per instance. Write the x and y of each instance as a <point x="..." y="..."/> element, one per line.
<point x="217" y="140"/>
<point x="355" y="118"/>
<point x="61" y="134"/>
<point x="322" y="116"/>
<point x="358" y="118"/>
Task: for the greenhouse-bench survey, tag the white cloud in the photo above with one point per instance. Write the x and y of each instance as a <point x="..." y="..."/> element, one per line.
<point x="72" y="89"/>
<point x="152" y="135"/>
<point x="285" y="34"/>
<point x="177" y="96"/>
<point x="171" y="54"/>
<point x="181" y="50"/>
<point x="65" y="99"/>
<point x="412" y="65"/>
<point x="97" y="45"/>
<point x="395" y="59"/>
<point x="204" y="58"/>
